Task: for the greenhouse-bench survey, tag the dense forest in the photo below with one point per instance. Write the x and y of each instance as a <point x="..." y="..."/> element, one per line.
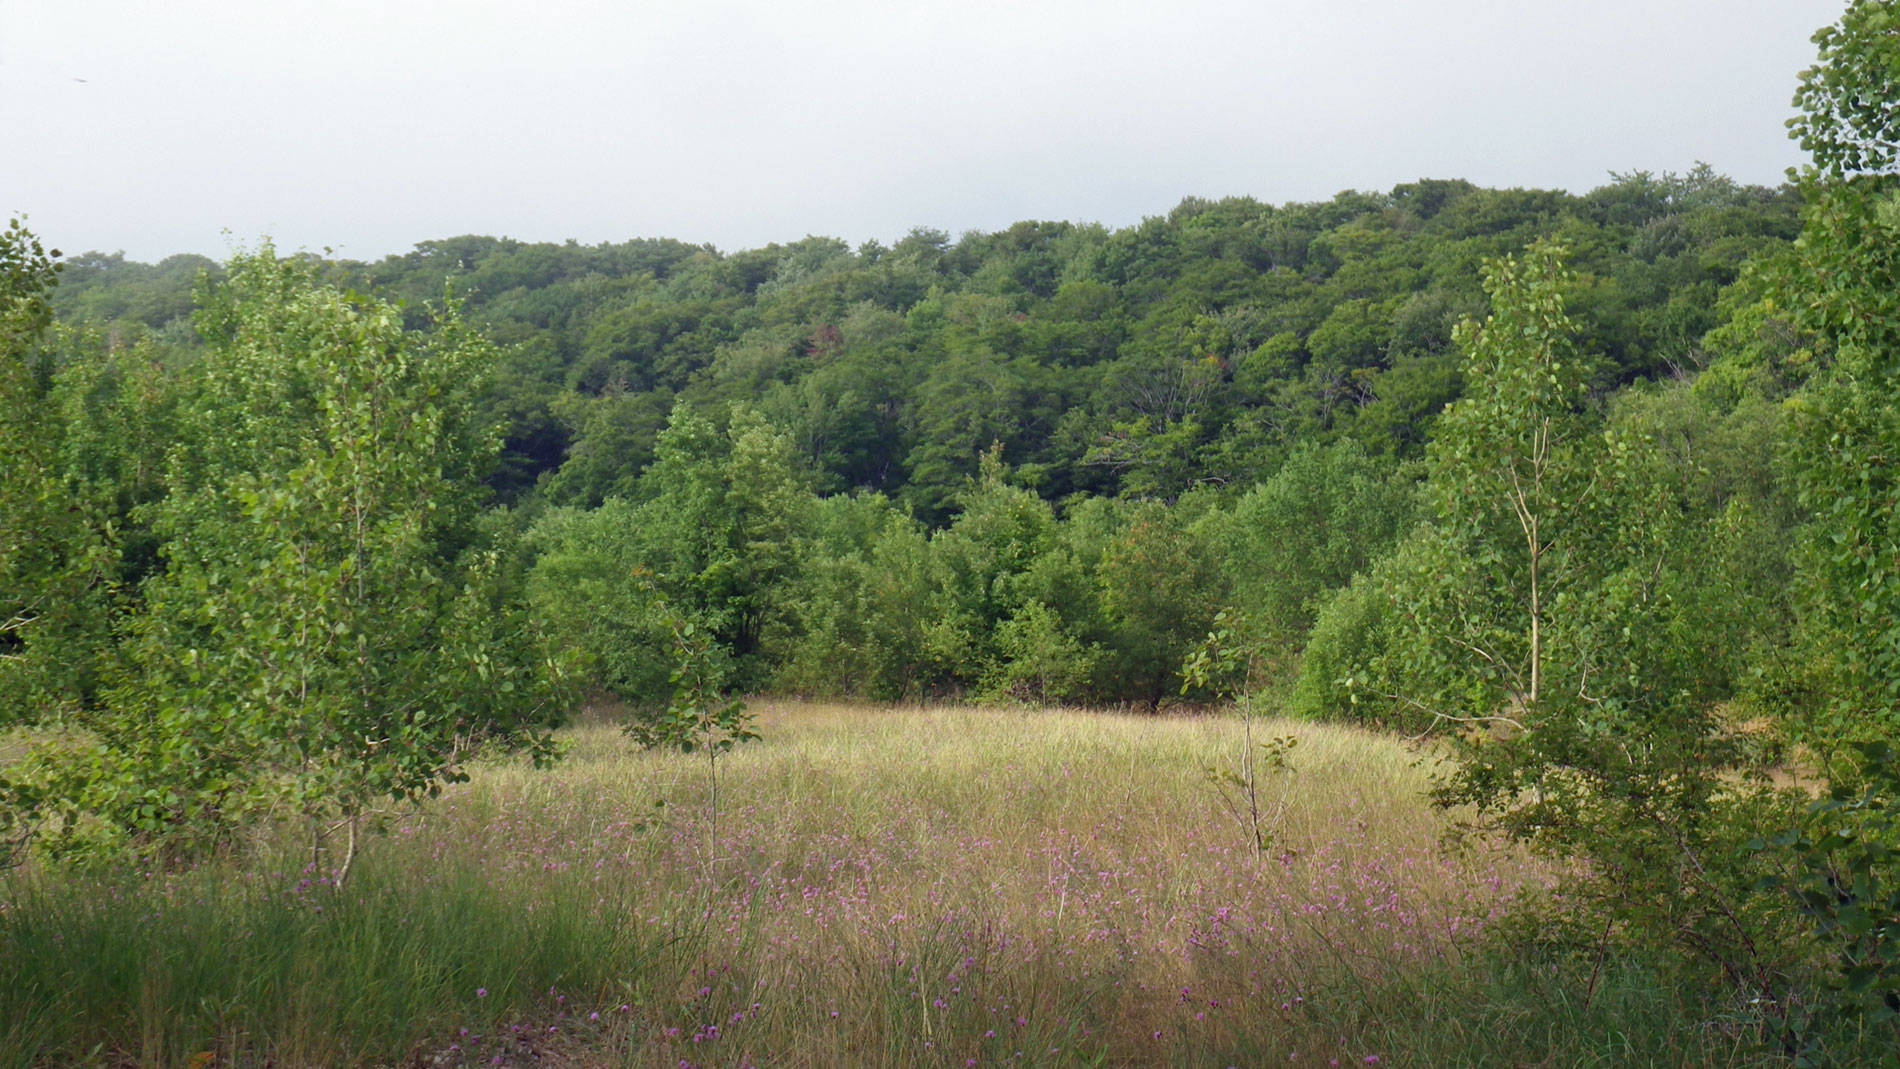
<point x="948" y="468"/>
<point x="1196" y="349"/>
<point x="1597" y="488"/>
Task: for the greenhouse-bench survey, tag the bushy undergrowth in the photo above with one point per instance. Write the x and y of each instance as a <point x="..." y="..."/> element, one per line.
<point x="885" y="888"/>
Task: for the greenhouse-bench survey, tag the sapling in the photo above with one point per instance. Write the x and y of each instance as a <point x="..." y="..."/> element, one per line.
<point x="1233" y="660"/>
<point x="700" y="717"/>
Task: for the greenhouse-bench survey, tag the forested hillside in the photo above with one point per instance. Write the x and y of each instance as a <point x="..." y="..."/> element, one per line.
<point x="958" y="467"/>
<point x="1197" y="348"/>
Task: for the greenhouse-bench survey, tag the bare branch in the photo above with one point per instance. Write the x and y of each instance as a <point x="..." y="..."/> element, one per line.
<point x="1440" y="715"/>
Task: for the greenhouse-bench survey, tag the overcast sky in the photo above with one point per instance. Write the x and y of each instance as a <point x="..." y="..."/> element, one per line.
<point x="369" y="125"/>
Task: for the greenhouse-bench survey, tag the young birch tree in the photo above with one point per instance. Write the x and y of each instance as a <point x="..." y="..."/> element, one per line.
<point x="1540" y="613"/>
<point x="327" y="633"/>
<point x="1516" y="479"/>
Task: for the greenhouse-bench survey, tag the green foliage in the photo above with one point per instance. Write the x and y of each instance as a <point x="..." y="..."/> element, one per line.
<point x="52" y="559"/>
<point x="864" y="606"/>
<point x="1009" y="601"/>
<point x="1325" y="516"/>
<point x="1160" y="587"/>
<point x="30" y="275"/>
<point x="1223" y="344"/>
<point x="613" y="437"/>
<point x="1756" y="351"/>
<point x="970" y="400"/>
<point x="1846" y="430"/>
<point x="1844" y="290"/>
<point x="1570" y="562"/>
<point x="1195" y="349"/>
<point x="1515" y="487"/>
<point x="128" y="303"/>
<point x="718" y="529"/>
<point x="1720" y="484"/>
<point x="1039" y="661"/>
<point x="699" y="718"/>
<point x="1847" y="124"/>
<point x="997" y="536"/>
<point x="1841" y="289"/>
<point x="1341" y="669"/>
<point x="583" y="586"/>
<point x="325" y="633"/>
<point x="1233" y="660"/>
<point x="1545" y="612"/>
<point x="117" y="415"/>
<point x="1842" y="870"/>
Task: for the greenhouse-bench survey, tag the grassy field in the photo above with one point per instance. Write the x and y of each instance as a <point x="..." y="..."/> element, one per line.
<point x="880" y="887"/>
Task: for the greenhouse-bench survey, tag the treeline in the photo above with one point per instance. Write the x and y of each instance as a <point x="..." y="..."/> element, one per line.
<point x="1011" y="600"/>
<point x="1199" y="348"/>
<point x="1102" y="599"/>
<point x="1035" y="463"/>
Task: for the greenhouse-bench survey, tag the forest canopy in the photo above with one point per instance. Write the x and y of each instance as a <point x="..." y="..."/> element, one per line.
<point x="952" y="466"/>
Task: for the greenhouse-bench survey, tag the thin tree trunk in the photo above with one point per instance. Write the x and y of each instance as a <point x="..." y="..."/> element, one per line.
<point x="349" y="856"/>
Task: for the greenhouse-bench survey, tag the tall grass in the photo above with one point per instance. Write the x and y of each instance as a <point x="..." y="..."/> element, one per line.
<point x="886" y="888"/>
<point x="277" y="966"/>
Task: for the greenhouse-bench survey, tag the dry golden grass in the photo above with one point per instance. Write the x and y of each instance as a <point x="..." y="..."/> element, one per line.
<point x="881" y="887"/>
<point x="931" y="873"/>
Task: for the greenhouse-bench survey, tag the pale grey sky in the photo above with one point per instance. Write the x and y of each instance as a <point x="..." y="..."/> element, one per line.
<point x="370" y="125"/>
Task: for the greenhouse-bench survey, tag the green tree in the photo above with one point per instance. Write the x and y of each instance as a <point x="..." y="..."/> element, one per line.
<point x="53" y="565"/>
<point x="1325" y="516"/>
<point x="972" y="398"/>
<point x="44" y="553"/>
<point x="1339" y="668"/>
<point x="1160" y="588"/>
<point x="1517" y="496"/>
<point x="916" y="639"/>
<point x="701" y="717"/>
<point x="326" y="633"/>
<point x="997" y="536"/>
<point x="1847" y="123"/>
<point x="1541" y="612"/>
<point x="717" y="531"/>
<point x="720" y="520"/>
<point x="1038" y="659"/>
<point x="611" y="436"/>
<point x="835" y="642"/>
<point x="1841" y="287"/>
<point x="1844" y="289"/>
<point x="583" y="583"/>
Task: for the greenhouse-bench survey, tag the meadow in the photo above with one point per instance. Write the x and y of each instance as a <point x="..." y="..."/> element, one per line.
<point x="877" y="887"/>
